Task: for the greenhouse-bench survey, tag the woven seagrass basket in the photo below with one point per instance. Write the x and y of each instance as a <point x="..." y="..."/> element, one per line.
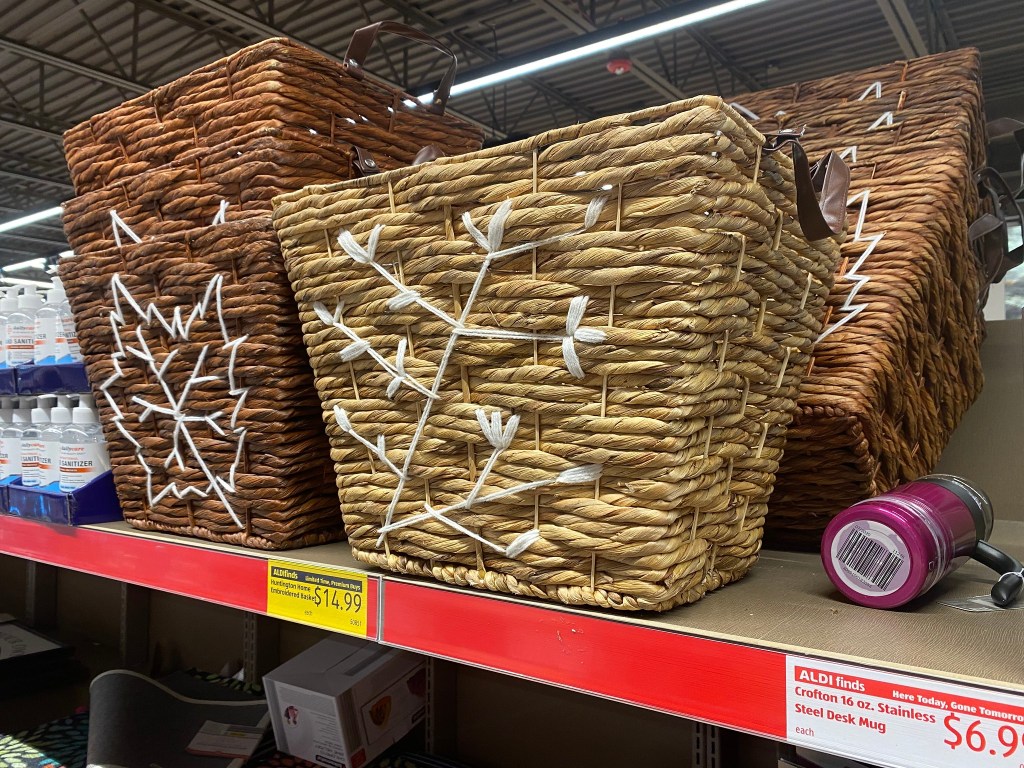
<point x="274" y="84"/>
<point x="205" y="395"/>
<point x="564" y="367"/>
<point x="242" y="177"/>
<point x="898" y="363"/>
<point x="183" y="307"/>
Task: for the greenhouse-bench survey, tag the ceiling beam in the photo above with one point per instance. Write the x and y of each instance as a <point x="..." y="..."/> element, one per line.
<point x="60" y="243"/>
<point x="233" y="16"/>
<point x="432" y="26"/>
<point x="576" y="23"/>
<point x="485" y="14"/>
<point x="945" y="25"/>
<point x="187" y="20"/>
<point x="715" y="52"/>
<point x="907" y="35"/>
<point x="712" y="49"/>
<point x="585" y="41"/>
<point x="29" y="129"/>
<point x="36" y="54"/>
<point x="5" y="251"/>
<point x="28" y="177"/>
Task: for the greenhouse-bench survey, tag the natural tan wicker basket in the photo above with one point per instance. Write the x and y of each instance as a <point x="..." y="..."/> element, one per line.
<point x="274" y="84"/>
<point x="564" y="367"/>
<point x="899" y="363"/>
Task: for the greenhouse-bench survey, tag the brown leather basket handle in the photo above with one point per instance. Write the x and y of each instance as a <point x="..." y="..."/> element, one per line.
<point x="428" y="154"/>
<point x="989" y="233"/>
<point x="362" y="41"/>
<point x="821" y="189"/>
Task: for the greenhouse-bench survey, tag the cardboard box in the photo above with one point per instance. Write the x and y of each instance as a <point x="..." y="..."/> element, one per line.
<point x="344" y="701"/>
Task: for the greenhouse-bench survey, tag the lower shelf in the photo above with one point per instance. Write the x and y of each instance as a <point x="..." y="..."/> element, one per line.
<point x="774" y="654"/>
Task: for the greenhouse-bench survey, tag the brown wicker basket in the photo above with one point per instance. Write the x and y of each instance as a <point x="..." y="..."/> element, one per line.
<point x="242" y="177"/>
<point x="564" y="367"/>
<point x="191" y="343"/>
<point x="898" y="364"/>
<point x="179" y="291"/>
<point x="274" y="84"/>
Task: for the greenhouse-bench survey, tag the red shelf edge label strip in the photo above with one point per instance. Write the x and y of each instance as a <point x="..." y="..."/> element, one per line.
<point x="720" y="682"/>
<point x="238" y="581"/>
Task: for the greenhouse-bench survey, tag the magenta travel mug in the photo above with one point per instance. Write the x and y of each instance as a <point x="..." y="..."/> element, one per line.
<point x="885" y="551"/>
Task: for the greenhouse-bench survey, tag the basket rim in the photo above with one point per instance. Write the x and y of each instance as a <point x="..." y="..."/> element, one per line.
<point x="530" y="144"/>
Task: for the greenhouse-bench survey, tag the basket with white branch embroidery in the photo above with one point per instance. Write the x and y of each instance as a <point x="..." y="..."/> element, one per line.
<point x="564" y="367"/>
<point x="191" y="342"/>
<point x="898" y="363"/>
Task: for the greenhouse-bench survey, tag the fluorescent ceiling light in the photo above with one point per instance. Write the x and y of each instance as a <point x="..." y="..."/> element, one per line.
<point x="17" y="281"/>
<point x="31" y="218"/>
<point x="39" y="263"/>
<point x="598" y="46"/>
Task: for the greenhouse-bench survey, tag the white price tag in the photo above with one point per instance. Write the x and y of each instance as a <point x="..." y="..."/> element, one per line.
<point x="901" y="721"/>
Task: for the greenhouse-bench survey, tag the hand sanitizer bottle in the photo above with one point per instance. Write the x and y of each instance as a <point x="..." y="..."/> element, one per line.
<point x="51" y="343"/>
<point x="21" y="324"/>
<point x="83" y="453"/>
<point x="8" y="304"/>
<point x="50" y="442"/>
<point x="10" y="443"/>
<point x="32" y="447"/>
<point x="6" y="421"/>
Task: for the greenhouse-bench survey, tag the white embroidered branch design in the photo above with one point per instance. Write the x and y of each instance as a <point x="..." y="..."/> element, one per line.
<point x="496" y="429"/>
<point x="176" y="405"/>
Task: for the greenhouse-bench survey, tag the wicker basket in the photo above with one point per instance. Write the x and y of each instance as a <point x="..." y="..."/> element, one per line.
<point x="205" y="394"/>
<point x="179" y="291"/>
<point x="274" y="84"/>
<point x="241" y="177"/>
<point x="898" y="364"/>
<point x="563" y="368"/>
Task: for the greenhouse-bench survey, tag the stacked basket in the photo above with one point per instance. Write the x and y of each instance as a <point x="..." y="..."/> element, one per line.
<point x="185" y="316"/>
<point x="564" y="367"/>
<point x="898" y="362"/>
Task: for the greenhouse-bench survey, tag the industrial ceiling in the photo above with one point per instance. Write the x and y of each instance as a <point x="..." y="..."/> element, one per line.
<point x="62" y="61"/>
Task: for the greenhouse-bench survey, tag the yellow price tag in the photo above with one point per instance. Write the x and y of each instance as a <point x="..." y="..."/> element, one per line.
<point x="327" y="597"/>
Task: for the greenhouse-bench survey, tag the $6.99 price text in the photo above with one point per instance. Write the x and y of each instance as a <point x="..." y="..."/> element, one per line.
<point x="970" y="735"/>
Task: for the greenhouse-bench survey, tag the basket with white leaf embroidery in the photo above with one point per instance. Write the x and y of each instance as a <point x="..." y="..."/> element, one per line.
<point x="205" y="396"/>
<point x="564" y="367"/>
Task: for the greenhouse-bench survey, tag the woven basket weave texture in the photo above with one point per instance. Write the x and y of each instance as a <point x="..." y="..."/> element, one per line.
<point x="263" y="457"/>
<point x="274" y="84"/>
<point x="563" y="368"/>
<point x="899" y="362"/>
<point x="182" y="303"/>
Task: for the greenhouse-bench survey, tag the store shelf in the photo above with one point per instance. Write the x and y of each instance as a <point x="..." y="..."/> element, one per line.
<point x="734" y="658"/>
<point x="208" y="571"/>
<point x="723" y="660"/>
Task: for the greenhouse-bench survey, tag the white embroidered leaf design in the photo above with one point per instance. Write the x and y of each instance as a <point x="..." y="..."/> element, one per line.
<point x="176" y="404"/>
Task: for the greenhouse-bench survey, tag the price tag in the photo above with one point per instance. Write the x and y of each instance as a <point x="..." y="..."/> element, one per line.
<point x="901" y="721"/>
<point x="327" y="597"/>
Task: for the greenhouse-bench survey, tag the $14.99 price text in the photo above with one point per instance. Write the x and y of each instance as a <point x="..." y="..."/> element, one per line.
<point x="971" y="734"/>
<point x="341" y="600"/>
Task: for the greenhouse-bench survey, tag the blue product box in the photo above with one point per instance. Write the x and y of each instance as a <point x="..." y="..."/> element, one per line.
<point x="60" y="379"/>
<point x="8" y="381"/>
<point x="94" y="502"/>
